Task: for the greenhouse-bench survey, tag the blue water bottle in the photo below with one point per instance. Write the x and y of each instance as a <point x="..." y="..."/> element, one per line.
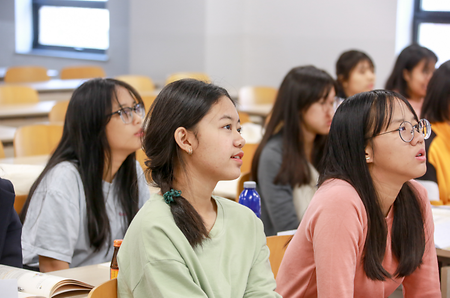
<point x="250" y="198"/>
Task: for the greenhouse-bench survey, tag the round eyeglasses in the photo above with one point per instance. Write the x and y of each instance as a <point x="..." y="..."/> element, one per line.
<point x="406" y="130"/>
<point x="126" y="114"/>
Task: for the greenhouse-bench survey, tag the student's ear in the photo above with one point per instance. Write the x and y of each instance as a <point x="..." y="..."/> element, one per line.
<point x="369" y="154"/>
<point x="184" y="139"/>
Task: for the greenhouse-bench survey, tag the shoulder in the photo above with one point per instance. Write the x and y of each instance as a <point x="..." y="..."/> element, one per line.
<point x="63" y="171"/>
<point x="7" y="194"/>
<point x="238" y="215"/>
<point x="6" y="186"/>
<point x="274" y="145"/>
<point x="337" y="198"/>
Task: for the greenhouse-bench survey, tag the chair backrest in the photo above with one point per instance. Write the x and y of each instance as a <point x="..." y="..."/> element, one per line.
<point x="14" y="94"/>
<point x="244" y="117"/>
<point x="108" y="289"/>
<point x="277" y="246"/>
<point x="38" y="139"/>
<point x="148" y="100"/>
<point x="188" y="75"/>
<point x="257" y="95"/>
<point x="245" y="176"/>
<point x="19" y="202"/>
<point x="249" y="151"/>
<point x="2" y="150"/>
<point x="26" y="74"/>
<point x="58" y="112"/>
<point x="140" y="83"/>
<point x="82" y="72"/>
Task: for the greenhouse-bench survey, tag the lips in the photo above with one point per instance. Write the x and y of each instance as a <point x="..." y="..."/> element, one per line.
<point x="421" y="155"/>
<point x="140" y="133"/>
<point x="238" y="156"/>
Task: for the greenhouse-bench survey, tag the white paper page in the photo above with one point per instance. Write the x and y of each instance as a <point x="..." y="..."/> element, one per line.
<point x="8" y="288"/>
<point x="441" y="218"/>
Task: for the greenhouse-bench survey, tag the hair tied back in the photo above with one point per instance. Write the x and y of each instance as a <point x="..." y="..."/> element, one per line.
<point x="169" y="195"/>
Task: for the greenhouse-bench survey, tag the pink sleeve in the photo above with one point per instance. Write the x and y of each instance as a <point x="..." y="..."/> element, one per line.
<point x="424" y="282"/>
<point x="337" y="234"/>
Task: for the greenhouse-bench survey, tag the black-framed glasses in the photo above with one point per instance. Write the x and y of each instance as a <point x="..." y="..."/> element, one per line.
<point x="406" y="130"/>
<point x="126" y="114"/>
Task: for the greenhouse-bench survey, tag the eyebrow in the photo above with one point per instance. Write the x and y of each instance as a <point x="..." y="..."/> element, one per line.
<point x="228" y="117"/>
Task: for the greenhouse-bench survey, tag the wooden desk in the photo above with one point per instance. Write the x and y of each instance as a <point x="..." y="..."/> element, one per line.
<point x="24" y="114"/>
<point x="54" y="85"/>
<point x="262" y="110"/>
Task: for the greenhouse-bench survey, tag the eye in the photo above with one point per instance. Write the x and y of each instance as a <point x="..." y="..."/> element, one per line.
<point x="239" y="130"/>
<point x="227" y="127"/>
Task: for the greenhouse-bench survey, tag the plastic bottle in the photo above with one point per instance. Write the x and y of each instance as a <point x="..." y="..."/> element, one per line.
<point x="114" y="271"/>
<point x="249" y="197"/>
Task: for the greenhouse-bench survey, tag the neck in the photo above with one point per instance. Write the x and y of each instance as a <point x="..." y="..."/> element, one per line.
<point x="387" y="190"/>
<point x="308" y="143"/>
<point x="195" y="189"/>
<point x="116" y="162"/>
<point x="415" y="97"/>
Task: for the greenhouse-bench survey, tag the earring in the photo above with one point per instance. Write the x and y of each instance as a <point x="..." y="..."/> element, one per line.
<point x="190" y="151"/>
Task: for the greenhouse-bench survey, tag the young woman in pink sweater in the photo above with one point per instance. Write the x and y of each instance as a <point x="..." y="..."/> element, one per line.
<point x="369" y="227"/>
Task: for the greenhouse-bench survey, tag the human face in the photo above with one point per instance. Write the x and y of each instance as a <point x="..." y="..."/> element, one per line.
<point x="317" y="118"/>
<point x="361" y="79"/>
<point x="417" y="79"/>
<point x="123" y="138"/>
<point x="217" y="146"/>
<point x="392" y="159"/>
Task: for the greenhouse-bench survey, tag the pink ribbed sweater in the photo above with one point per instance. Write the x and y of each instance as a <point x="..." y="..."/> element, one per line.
<point x="324" y="259"/>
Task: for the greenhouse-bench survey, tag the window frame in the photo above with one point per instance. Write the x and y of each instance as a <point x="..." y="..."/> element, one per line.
<point x="37" y="4"/>
<point x="424" y="16"/>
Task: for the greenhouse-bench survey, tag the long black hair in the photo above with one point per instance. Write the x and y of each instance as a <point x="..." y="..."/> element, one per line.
<point x="181" y="103"/>
<point x="357" y="120"/>
<point x="436" y="105"/>
<point x="301" y="87"/>
<point x="345" y="64"/>
<point x="84" y="143"/>
<point x="407" y="60"/>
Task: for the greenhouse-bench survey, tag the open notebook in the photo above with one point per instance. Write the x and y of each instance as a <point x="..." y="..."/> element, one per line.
<point x="36" y="284"/>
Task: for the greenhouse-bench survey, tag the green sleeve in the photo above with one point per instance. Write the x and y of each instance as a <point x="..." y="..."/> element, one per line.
<point x="167" y="278"/>
<point x="261" y="282"/>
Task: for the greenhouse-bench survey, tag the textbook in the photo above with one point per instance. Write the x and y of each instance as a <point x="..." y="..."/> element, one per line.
<point x="36" y="284"/>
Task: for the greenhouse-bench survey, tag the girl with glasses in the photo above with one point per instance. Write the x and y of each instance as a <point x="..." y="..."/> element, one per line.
<point x="185" y="242"/>
<point x="411" y="73"/>
<point x="436" y="108"/>
<point x="92" y="186"/>
<point x="286" y="161"/>
<point x="369" y="227"/>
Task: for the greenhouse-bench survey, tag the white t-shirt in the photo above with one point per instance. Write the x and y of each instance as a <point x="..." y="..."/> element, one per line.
<point x="56" y="221"/>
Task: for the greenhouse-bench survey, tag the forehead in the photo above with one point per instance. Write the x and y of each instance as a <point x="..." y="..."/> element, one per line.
<point x="223" y="109"/>
<point x="122" y="98"/>
<point x="401" y="113"/>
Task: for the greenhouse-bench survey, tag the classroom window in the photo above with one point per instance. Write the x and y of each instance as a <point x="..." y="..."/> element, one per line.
<point x="431" y="27"/>
<point x="77" y="26"/>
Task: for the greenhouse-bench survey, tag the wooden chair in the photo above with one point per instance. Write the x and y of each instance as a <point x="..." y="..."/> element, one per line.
<point x="38" y="139"/>
<point x="277" y="246"/>
<point x="245" y="176"/>
<point x="188" y="75"/>
<point x="58" y="112"/>
<point x="244" y="117"/>
<point x="19" y="202"/>
<point x="257" y="95"/>
<point x="148" y="101"/>
<point x="249" y="151"/>
<point x="108" y="289"/>
<point x="2" y="150"/>
<point x="26" y="74"/>
<point x="142" y="84"/>
<point x="82" y="72"/>
<point x="14" y="94"/>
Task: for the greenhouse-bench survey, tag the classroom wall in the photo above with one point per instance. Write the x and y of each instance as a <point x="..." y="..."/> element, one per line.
<point x="118" y="52"/>
<point x="237" y="42"/>
<point x="240" y="42"/>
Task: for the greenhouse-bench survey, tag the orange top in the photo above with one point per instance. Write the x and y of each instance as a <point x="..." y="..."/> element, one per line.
<point x="117" y="242"/>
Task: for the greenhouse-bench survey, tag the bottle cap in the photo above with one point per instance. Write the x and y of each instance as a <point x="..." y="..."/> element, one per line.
<point x="117" y="242"/>
<point x="249" y="184"/>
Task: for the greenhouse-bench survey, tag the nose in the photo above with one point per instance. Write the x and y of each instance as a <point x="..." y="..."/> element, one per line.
<point x="137" y="119"/>
<point x="240" y="141"/>
<point x="418" y="138"/>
